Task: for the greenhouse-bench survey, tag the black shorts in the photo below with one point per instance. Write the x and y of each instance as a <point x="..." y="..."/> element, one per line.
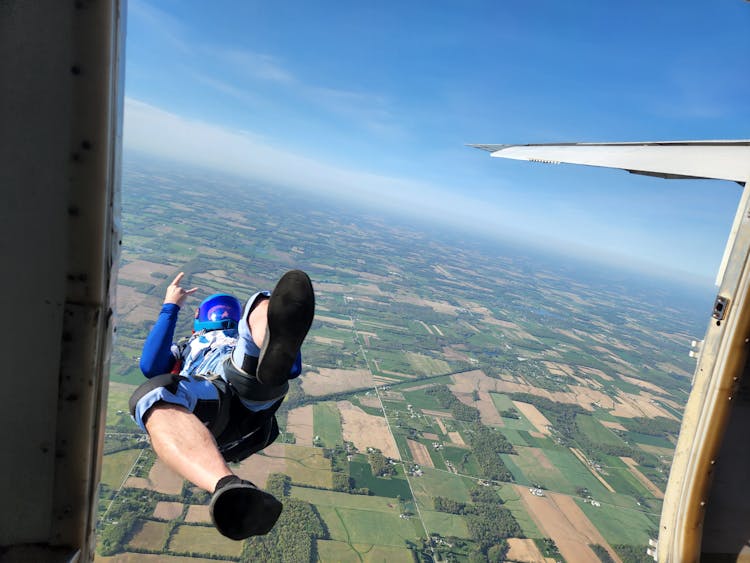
<point x="239" y="432"/>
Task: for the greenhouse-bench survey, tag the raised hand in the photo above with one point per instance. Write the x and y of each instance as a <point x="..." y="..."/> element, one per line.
<point x="177" y="294"/>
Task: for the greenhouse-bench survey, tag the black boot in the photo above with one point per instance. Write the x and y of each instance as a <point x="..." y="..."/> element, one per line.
<point x="239" y="509"/>
<point x="290" y="313"/>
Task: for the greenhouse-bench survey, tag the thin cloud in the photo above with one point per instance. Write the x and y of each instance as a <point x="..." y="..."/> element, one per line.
<point x="166" y="26"/>
<point x="164" y="134"/>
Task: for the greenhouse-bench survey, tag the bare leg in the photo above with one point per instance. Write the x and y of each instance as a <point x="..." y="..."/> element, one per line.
<point x="257" y="320"/>
<point x="181" y="440"/>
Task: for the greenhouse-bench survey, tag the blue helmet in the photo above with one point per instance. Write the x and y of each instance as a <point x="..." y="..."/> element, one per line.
<point x="220" y="311"/>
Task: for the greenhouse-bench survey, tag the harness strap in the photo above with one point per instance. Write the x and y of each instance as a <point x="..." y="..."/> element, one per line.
<point x="248" y="387"/>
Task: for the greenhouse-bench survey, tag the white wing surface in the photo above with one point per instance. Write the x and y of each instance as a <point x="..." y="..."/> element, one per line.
<point x="720" y="160"/>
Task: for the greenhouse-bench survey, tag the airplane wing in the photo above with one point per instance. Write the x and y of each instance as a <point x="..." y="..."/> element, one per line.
<point x="720" y="160"/>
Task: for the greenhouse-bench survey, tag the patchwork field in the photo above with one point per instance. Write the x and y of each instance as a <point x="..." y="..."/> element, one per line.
<point x="150" y="535"/>
<point x="116" y="467"/>
<point x="203" y="540"/>
<point x="324" y="381"/>
<point x="335" y="551"/>
<point x="168" y="510"/>
<point x="560" y="518"/>
<point x="300" y="423"/>
<point x="553" y="362"/>
<point x="161" y="479"/>
<point x="257" y="468"/>
<point x="365" y="430"/>
<point x="327" y="424"/>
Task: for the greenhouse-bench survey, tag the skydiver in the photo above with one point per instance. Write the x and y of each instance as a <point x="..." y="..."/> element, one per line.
<point x="211" y="398"/>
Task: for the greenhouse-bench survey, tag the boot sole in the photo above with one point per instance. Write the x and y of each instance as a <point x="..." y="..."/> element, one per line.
<point x="290" y="314"/>
<point x="240" y="510"/>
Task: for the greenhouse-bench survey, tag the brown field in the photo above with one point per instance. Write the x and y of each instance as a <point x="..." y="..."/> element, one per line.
<point x="420" y="454"/>
<point x="669" y="367"/>
<point x="168" y="510"/>
<point x="371" y="401"/>
<point x="594" y="472"/>
<point x="596" y="372"/>
<point x="560" y="518"/>
<point x="456" y="439"/>
<point x="202" y="539"/>
<point x="487" y="411"/>
<point x="656" y="450"/>
<point x="430" y="436"/>
<point x="439" y="422"/>
<point x="452" y="353"/>
<point x="524" y="551"/>
<point x="329" y="380"/>
<point x="149" y="558"/>
<point x="630" y="462"/>
<point x="365" y="430"/>
<point x="568" y="333"/>
<point x="380" y="380"/>
<point x="613" y="425"/>
<point x="399" y="375"/>
<point x="140" y="271"/>
<point x="393" y="395"/>
<point x="643" y="384"/>
<point x="536" y="418"/>
<point x="437" y="413"/>
<point x="334" y="321"/>
<point x="631" y="406"/>
<point x="151" y="535"/>
<point x="199" y="513"/>
<point x="587" y="382"/>
<point x="587" y="397"/>
<point x="437" y="306"/>
<point x="300" y="423"/>
<point x="160" y="479"/>
<point x="326" y="340"/>
<point x="258" y="467"/>
<point x="559" y="369"/>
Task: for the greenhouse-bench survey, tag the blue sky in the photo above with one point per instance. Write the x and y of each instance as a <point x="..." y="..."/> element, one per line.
<point x="375" y="101"/>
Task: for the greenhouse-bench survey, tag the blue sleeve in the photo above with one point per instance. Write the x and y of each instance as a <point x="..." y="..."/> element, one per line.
<point x="157" y="357"/>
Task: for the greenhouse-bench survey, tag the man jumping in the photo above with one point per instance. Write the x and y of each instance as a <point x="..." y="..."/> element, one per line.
<point x="212" y="398"/>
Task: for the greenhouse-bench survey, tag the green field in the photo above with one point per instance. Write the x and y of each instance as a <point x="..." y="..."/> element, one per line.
<point x="204" y="540"/>
<point x="116" y="466"/>
<point x="117" y="405"/>
<point x="512" y="501"/>
<point x="623" y="481"/>
<point x="307" y="466"/>
<point x="445" y="524"/>
<point x="421" y="400"/>
<point x="336" y="551"/>
<point x="528" y="469"/>
<point x="515" y="437"/>
<point x="327" y="424"/>
<point x="597" y="432"/>
<point x="391" y="487"/>
<point x="462" y="459"/>
<point x="345" y="500"/>
<point x="361" y="519"/>
<point x="504" y="403"/>
<point x="619" y="525"/>
<point x="436" y="483"/>
<point x="577" y="474"/>
<point x="425" y="365"/>
<point x="658" y="441"/>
